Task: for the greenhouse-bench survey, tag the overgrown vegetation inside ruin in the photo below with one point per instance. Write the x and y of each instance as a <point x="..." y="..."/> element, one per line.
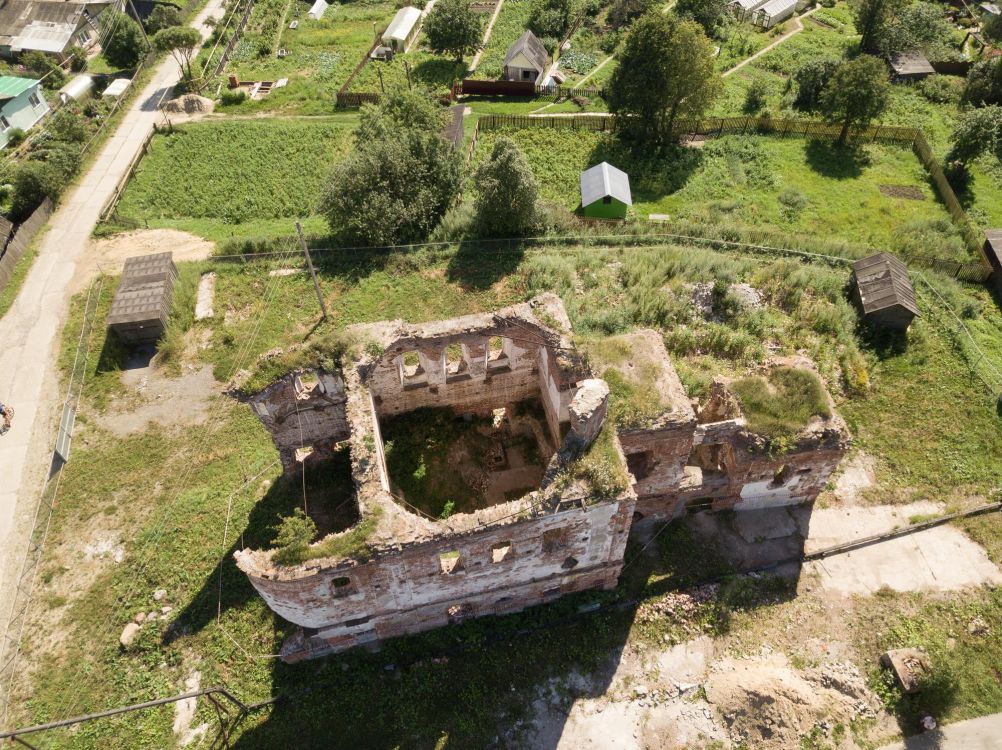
<point x="781" y="405"/>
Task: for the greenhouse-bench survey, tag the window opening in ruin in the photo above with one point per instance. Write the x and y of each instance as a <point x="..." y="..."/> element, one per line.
<point x="637" y="516"/>
<point x="450" y="562"/>
<point x="455" y="361"/>
<point x="554" y="540"/>
<point x="698" y="503"/>
<point x="640" y="464"/>
<point x="495" y="349"/>
<point x="305" y="382"/>
<point x="341" y="586"/>
<point x="459" y="612"/>
<point x="710" y="460"/>
<point x="500" y="552"/>
<point x="568" y="563"/>
<point x="356" y="622"/>
<point x="781" y="476"/>
<point x="411" y="363"/>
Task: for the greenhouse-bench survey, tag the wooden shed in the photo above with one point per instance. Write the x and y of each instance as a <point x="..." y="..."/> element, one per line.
<point x="525" y="60"/>
<point x="910" y="66"/>
<point x="884" y="292"/>
<point x="142" y="303"/>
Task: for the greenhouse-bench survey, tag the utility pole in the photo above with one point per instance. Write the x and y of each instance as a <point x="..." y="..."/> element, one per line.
<point x="309" y="264"/>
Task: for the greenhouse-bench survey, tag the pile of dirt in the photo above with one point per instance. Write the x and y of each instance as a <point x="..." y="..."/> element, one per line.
<point x="767" y="704"/>
<point x="190" y="104"/>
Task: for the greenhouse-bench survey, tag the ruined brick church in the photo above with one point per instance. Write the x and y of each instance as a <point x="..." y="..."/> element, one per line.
<point x="557" y="474"/>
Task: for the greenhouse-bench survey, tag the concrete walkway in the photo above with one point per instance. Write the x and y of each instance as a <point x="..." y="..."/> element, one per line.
<point x="29" y="331"/>
<point x="798" y="26"/>
<point x="984" y="733"/>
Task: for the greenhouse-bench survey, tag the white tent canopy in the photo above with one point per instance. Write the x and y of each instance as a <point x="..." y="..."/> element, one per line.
<point x="402" y="25"/>
<point x="318" y="10"/>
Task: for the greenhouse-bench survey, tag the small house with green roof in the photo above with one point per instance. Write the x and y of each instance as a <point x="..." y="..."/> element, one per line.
<point x="605" y="192"/>
<point x="21" y="105"/>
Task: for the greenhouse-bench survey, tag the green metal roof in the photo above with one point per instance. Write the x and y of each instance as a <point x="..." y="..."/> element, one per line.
<point x="11" y="86"/>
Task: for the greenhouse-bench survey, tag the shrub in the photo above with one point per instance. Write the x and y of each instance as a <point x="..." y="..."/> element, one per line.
<point x="232" y="96"/>
<point x="125" y="44"/>
<point x="15" y="137"/>
<point x="292" y="538"/>
<point x="507" y="193"/>
<point x="941" y="89"/>
<point x="78" y="61"/>
<point x="810" y="79"/>
<point x="755" y="97"/>
<point x="34" y="181"/>
<point x="162" y="17"/>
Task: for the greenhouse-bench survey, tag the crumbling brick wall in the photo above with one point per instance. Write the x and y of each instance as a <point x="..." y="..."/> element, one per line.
<point x="305" y="413"/>
<point x="501" y="569"/>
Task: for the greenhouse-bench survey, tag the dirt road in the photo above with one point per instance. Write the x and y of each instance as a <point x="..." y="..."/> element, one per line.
<point x="29" y="331"/>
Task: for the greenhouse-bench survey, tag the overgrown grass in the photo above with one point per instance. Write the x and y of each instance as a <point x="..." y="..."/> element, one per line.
<point x="782" y="404"/>
<point x="9" y="293"/>
<point x="792" y="185"/>
<point x="219" y="177"/>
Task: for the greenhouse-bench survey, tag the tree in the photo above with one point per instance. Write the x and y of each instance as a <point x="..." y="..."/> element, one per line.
<point x="665" y="72"/>
<point x="399" y="180"/>
<point x="991" y="28"/>
<point x="984" y="83"/>
<point x="125" y="44"/>
<point x="707" y="13"/>
<point x="452" y="28"/>
<point x="45" y="67"/>
<point x="870" y="17"/>
<point x="162" y="17"/>
<point x="624" y="12"/>
<point x="857" y="93"/>
<point x="552" y="18"/>
<point x="34" y="181"/>
<point x="182" y="43"/>
<point x="400" y="109"/>
<point x="920" y="26"/>
<point x="978" y="131"/>
<point x="507" y="193"/>
<point x="811" y="78"/>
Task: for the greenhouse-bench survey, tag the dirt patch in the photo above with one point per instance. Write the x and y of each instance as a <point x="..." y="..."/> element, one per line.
<point x="156" y="398"/>
<point x="908" y="192"/>
<point x="768" y="704"/>
<point x="108" y="254"/>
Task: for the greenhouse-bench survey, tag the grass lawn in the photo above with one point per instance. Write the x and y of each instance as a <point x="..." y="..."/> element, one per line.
<point x="321" y="56"/>
<point x="510" y="25"/>
<point x="242" y="178"/>
<point x="791" y="184"/>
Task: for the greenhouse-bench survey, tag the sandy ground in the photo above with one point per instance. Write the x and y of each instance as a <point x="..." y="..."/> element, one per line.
<point x="108" y="254"/>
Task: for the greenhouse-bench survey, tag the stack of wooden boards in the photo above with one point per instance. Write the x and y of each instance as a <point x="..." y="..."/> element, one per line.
<point x="142" y="303"/>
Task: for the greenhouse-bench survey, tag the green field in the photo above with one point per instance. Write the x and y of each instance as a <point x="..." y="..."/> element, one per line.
<point x="433" y="71"/>
<point x="793" y="185"/>
<point x="235" y="178"/>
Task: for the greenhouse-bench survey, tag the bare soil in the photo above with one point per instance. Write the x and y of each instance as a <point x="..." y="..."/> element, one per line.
<point x="108" y="254"/>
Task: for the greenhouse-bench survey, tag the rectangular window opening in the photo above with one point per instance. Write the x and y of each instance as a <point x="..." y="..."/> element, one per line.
<point x="500" y="552"/>
<point x="450" y="562"/>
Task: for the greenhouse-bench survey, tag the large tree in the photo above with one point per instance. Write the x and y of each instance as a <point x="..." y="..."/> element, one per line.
<point x="552" y="18"/>
<point x="399" y="180"/>
<point x="984" y="83"/>
<point x="452" y="28"/>
<point x="978" y="131"/>
<point x="507" y="193"/>
<point x="182" y="43"/>
<point x="856" y="94"/>
<point x="124" y="43"/>
<point x="811" y="78"/>
<point x="707" y="13"/>
<point x="871" y="17"/>
<point x="665" y="73"/>
<point x="919" y="26"/>
<point x="162" y="17"/>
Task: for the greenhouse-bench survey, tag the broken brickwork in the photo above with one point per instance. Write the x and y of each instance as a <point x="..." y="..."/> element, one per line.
<point x="399" y="571"/>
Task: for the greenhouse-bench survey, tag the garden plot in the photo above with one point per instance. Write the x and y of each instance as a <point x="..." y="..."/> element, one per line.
<point x="320" y="56"/>
<point x="794" y="185"/>
<point x="511" y="23"/>
<point x="435" y="72"/>
<point x="246" y="178"/>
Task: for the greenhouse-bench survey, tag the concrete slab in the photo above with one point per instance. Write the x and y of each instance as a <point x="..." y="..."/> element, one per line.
<point x="983" y="733"/>
<point x="939" y="559"/>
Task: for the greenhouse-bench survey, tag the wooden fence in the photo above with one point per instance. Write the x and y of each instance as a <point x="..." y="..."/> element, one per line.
<point x="718" y="126"/>
<point x="21" y="239"/>
<point x="476" y="87"/>
<point x="234" y="38"/>
<point x="112" y="202"/>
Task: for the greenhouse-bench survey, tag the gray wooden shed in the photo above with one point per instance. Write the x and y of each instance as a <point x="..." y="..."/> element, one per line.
<point x="883" y="290"/>
<point x="143" y="301"/>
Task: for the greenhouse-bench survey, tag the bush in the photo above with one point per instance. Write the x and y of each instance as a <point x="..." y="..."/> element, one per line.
<point x="941" y="89"/>
<point x="34" y="181"/>
<point x="78" y="61"/>
<point x="162" y="17"/>
<point x="125" y="45"/>
<point x="232" y="96"/>
<point x="811" y="79"/>
<point x="755" y="97"/>
<point x="292" y="538"/>
<point x="15" y="137"/>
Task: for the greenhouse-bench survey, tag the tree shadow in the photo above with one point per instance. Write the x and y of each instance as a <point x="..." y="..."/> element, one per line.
<point x="330" y="503"/>
<point x="653" y="174"/>
<point x="487" y="682"/>
<point x="837" y="162"/>
<point x="479" y="264"/>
